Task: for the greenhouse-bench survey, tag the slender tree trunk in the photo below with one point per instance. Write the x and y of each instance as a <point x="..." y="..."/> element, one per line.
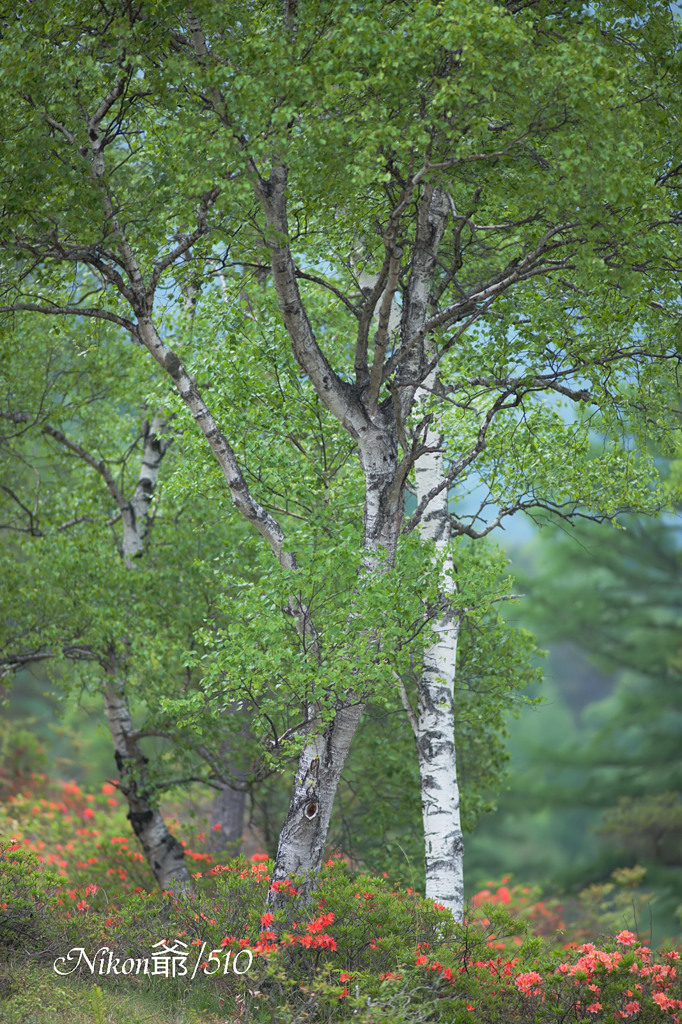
<point x="435" y="733"/>
<point x="227" y="820"/>
<point x="228" y="806"/>
<point x="435" y="720"/>
<point x="304" y="833"/>
<point x="163" y="852"/>
<point x="135" y="514"/>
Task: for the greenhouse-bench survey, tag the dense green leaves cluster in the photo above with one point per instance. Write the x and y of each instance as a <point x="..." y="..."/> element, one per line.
<point x="136" y="144"/>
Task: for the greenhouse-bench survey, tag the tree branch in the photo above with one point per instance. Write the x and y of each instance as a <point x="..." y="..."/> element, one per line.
<point x="381" y="336"/>
<point x="97" y="464"/>
<point x="335" y="394"/>
<point x="459" y="466"/>
<point x="405" y="700"/>
<point x="330" y="287"/>
<point x="516" y="270"/>
<point x="73" y="652"/>
<point x="187" y="242"/>
<point x="68" y="310"/>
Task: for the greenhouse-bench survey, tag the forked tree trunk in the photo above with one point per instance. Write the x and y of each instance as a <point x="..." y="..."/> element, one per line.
<point x="304" y="833"/>
<point x="434" y="725"/>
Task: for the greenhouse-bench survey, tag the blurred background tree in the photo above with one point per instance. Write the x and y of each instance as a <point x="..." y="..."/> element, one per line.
<point x="597" y="770"/>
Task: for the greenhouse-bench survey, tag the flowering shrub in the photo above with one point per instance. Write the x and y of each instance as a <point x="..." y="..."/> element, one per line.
<point x="72" y="875"/>
<point x="84" y="838"/>
<point x="523" y="904"/>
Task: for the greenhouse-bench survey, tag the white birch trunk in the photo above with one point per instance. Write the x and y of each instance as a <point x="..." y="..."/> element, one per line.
<point x="435" y="736"/>
<point x="435" y="720"/>
<point x="163" y="852"/>
<point x="304" y="834"/>
<point x="136" y="514"/>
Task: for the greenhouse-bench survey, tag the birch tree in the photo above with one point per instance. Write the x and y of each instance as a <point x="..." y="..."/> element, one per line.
<point x="500" y="170"/>
<point x="68" y="508"/>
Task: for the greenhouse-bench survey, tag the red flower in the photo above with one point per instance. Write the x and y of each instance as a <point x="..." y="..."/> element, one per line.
<point x="663" y="1001"/>
<point x="525" y="982"/>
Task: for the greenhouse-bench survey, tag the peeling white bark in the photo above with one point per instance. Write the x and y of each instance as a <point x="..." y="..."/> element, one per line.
<point x="435" y="738"/>
<point x="443" y="842"/>
<point x="135" y="514"/>
<point x="434" y="725"/>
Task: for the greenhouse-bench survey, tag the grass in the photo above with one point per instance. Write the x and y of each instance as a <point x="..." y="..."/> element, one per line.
<point x="34" y="994"/>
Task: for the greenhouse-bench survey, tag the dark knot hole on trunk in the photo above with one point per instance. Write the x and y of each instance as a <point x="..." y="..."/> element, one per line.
<point x="311" y="810"/>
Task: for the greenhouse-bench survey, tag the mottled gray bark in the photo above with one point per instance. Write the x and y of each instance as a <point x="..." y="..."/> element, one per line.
<point x="135" y="513"/>
<point x="229" y="804"/>
<point x="304" y="832"/>
<point x="164" y="853"/>
<point x="227" y="820"/>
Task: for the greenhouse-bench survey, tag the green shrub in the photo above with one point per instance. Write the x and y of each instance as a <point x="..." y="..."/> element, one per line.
<point x="28" y="899"/>
<point x="360" y="949"/>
